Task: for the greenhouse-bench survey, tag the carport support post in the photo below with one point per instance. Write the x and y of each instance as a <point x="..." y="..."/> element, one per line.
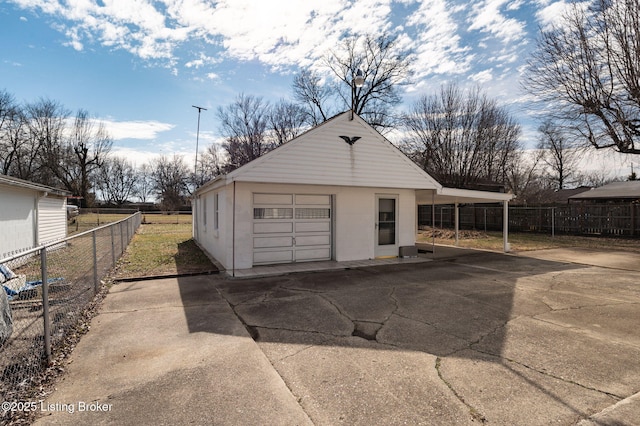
<point x="433" y="221"/>
<point x="505" y="226"/>
<point x="457" y="224"/>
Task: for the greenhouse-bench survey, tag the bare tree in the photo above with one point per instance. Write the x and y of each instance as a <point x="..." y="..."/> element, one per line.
<point x="286" y="121"/>
<point x="385" y="67"/>
<point x="13" y="139"/>
<point x="210" y="163"/>
<point x="244" y="128"/>
<point x="144" y="183"/>
<point x="588" y="67"/>
<point x="524" y="179"/>
<point x="117" y="180"/>
<point x="170" y="178"/>
<point x="313" y="95"/>
<point x="46" y="122"/>
<point x="559" y="155"/>
<point x="462" y="138"/>
<point x="73" y="160"/>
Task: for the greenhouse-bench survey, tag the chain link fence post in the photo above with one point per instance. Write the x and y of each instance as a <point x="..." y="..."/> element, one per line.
<point x="96" y="283"/>
<point x="45" y="304"/>
<point x="121" y="238"/>
<point x="113" y="248"/>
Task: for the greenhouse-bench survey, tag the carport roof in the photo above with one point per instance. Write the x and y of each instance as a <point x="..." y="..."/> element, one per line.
<point x="461" y="196"/>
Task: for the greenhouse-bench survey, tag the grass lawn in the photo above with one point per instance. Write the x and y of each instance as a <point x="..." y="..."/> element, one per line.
<point x="88" y="221"/>
<point x="162" y="249"/>
<point x="526" y="241"/>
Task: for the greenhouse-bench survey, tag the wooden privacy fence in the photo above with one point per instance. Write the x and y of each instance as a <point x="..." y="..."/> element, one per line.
<point x="578" y="219"/>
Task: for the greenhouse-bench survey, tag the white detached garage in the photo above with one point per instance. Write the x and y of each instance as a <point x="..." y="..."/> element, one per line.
<point x="340" y="191"/>
<point x="30" y="215"/>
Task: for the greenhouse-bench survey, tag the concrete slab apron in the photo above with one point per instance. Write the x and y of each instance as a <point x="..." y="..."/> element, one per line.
<point x="488" y="338"/>
<point x="170" y="352"/>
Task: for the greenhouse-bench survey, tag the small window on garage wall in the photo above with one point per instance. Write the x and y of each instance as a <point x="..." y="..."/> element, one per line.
<point x="203" y="208"/>
<point x="216" y="210"/>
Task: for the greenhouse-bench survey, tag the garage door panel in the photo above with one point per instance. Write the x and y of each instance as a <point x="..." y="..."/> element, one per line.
<point x="313" y="226"/>
<point x="323" y="200"/>
<point x="272" y="227"/>
<point x="313" y="254"/>
<point x="313" y="240"/>
<point x="286" y="199"/>
<point x="291" y="228"/>
<point x="268" y="242"/>
<point x="267" y="257"/>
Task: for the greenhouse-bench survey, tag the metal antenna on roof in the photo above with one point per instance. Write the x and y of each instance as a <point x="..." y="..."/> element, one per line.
<point x="195" y="167"/>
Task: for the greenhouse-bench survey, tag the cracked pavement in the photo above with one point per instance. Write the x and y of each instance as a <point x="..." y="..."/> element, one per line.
<point x="480" y="338"/>
<point x="471" y="338"/>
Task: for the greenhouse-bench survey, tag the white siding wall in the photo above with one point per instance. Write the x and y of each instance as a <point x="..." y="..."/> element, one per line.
<point x="321" y="157"/>
<point x="354" y="219"/>
<point x="212" y="240"/>
<point x="17" y="220"/>
<point x="52" y="219"/>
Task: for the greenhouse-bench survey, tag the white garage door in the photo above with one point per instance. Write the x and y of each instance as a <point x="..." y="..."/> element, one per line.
<point x="291" y="228"/>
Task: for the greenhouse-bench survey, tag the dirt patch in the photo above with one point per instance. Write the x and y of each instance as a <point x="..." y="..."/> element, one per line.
<point x="449" y="234"/>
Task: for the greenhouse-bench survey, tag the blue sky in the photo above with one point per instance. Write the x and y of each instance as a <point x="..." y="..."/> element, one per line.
<point x="139" y="65"/>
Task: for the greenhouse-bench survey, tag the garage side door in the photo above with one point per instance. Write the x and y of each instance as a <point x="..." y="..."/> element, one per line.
<point x="291" y="228"/>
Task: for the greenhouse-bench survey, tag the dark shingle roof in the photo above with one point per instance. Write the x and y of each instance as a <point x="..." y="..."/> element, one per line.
<point x="616" y="190"/>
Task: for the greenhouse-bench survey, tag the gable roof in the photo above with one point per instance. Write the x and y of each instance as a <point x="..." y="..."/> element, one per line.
<point x="25" y="184"/>
<point x="627" y="190"/>
<point x="322" y="157"/>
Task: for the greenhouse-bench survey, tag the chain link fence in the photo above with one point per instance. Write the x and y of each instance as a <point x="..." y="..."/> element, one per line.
<point x="45" y="293"/>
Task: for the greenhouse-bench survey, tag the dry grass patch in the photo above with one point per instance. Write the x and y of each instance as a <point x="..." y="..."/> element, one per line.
<point x="162" y="249"/>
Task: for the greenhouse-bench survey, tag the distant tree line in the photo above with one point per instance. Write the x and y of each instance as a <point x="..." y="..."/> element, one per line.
<point x="43" y="142"/>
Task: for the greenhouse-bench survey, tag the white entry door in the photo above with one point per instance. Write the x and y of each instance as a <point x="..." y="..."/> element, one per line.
<point x="386" y="229"/>
<point x="291" y="228"/>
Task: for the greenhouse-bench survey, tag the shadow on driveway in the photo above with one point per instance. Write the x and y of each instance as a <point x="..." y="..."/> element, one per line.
<point x="555" y="340"/>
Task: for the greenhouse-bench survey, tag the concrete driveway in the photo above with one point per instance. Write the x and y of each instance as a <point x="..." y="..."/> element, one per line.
<point x="468" y="338"/>
<point x="478" y="337"/>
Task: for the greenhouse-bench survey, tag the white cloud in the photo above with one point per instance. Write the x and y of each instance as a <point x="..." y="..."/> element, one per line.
<point x="439" y="49"/>
<point x="200" y="34"/>
<point x="275" y="32"/>
<point x="148" y="130"/>
<point x="488" y="18"/>
<point x="482" y="76"/>
<point x="551" y="14"/>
